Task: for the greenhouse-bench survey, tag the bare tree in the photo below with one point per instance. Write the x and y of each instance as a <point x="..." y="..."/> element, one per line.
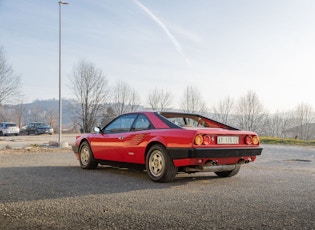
<point x="277" y="123"/>
<point x="134" y="100"/>
<point x="223" y="110"/>
<point x="36" y="113"/>
<point x="12" y="113"/>
<point x="89" y="86"/>
<point x="9" y="82"/>
<point x="125" y="99"/>
<point x="303" y="118"/>
<point x="50" y="117"/>
<point x="19" y="114"/>
<point x="250" y="112"/>
<point x="192" y="102"/>
<point x="108" y="116"/>
<point x="159" y="99"/>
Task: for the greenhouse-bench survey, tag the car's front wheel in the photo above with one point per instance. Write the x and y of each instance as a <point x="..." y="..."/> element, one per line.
<point x="229" y="173"/>
<point x="86" y="157"/>
<point x="159" y="164"/>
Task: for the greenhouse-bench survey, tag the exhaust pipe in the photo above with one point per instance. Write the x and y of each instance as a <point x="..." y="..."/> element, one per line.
<point x="242" y="161"/>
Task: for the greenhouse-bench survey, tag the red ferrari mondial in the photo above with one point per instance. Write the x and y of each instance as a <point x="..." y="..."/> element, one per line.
<point x="168" y="143"/>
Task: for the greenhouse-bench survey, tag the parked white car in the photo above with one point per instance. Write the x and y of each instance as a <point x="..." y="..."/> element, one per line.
<point x="9" y="128"/>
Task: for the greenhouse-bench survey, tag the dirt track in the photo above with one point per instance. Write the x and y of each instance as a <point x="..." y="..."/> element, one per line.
<point x="29" y="142"/>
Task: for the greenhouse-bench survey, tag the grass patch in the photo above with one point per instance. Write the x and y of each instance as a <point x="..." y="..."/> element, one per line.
<point x="285" y="141"/>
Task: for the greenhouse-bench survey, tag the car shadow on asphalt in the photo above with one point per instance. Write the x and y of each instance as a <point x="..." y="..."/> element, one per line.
<point x="50" y="182"/>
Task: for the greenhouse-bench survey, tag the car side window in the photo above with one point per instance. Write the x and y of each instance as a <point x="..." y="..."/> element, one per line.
<point x="121" y="124"/>
<point x="142" y="123"/>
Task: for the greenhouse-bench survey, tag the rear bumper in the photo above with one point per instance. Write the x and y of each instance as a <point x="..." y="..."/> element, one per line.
<point x="9" y="132"/>
<point x="183" y="153"/>
<point x="44" y="131"/>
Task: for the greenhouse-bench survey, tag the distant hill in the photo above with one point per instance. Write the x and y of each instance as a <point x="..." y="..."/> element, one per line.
<point x="45" y="107"/>
<point x="39" y="111"/>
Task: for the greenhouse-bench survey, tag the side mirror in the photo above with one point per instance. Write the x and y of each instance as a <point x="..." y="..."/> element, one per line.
<point x="97" y="129"/>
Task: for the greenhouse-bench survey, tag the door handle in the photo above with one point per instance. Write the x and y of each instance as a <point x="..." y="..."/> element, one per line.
<point x="120" y="138"/>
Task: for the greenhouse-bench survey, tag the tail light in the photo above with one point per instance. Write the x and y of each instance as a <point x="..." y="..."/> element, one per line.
<point x="251" y="140"/>
<point x="248" y="140"/>
<point x="202" y="139"/>
<point x="255" y="140"/>
<point x="198" y="139"/>
<point x="206" y="140"/>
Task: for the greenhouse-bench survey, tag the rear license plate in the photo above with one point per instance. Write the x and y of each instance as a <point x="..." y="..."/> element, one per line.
<point x="228" y="140"/>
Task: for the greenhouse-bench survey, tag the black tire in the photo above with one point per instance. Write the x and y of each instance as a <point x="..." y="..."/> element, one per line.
<point x="86" y="157"/>
<point x="1" y="133"/>
<point x="159" y="164"/>
<point x="229" y="173"/>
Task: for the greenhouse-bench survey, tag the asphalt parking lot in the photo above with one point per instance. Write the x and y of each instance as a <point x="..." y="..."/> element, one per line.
<point x="48" y="190"/>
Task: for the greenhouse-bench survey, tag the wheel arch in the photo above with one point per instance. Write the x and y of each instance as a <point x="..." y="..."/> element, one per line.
<point x="155" y="142"/>
<point x="84" y="140"/>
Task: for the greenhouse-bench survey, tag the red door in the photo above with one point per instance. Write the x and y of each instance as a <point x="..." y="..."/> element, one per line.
<point x="107" y="146"/>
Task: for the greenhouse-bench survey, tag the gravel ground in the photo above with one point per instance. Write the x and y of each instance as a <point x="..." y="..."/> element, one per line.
<point x="48" y="190"/>
<point x="36" y="143"/>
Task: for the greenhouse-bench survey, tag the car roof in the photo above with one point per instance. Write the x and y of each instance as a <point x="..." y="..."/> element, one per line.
<point x="164" y="115"/>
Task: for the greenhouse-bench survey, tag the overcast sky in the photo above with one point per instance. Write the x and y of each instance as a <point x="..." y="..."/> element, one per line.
<point x="223" y="48"/>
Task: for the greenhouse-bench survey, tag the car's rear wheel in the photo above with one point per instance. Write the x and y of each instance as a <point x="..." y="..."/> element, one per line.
<point x="159" y="164"/>
<point x="86" y="157"/>
<point x="229" y="173"/>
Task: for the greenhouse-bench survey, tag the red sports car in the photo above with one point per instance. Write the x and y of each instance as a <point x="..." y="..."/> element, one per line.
<point x="167" y="143"/>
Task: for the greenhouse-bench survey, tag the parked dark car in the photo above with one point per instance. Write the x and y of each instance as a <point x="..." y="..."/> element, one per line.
<point x="38" y="128"/>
